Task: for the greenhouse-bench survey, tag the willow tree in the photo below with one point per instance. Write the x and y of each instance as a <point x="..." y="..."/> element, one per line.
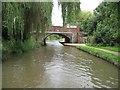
<point x="12" y="20"/>
<point x="39" y="18"/>
<point x="20" y="19"/>
<point x="45" y="17"/>
<point x="26" y="16"/>
<point x="70" y="11"/>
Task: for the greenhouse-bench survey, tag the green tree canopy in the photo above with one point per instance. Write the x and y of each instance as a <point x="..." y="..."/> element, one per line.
<point x="107" y="27"/>
<point x="70" y="11"/>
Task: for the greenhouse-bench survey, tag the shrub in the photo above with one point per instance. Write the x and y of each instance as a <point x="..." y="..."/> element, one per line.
<point x="28" y="44"/>
<point x="13" y="46"/>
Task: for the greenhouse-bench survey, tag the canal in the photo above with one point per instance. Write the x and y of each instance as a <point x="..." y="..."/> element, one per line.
<point x="57" y="66"/>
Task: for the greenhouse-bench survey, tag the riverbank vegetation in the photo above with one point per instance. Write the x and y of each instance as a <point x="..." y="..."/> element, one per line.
<point x="102" y="54"/>
<point x="19" y="20"/>
<point x="111" y="48"/>
<point x="24" y="23"/>
<point x="103" y="25"/>
<point x="70" y="11"/>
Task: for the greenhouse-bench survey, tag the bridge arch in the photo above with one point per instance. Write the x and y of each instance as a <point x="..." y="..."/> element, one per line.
<point x="67" y="39"/>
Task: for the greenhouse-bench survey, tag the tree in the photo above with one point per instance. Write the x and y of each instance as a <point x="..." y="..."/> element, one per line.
<point x="70" y="11"/>
<point x="107" y="23"/>
<point x="21" y="19"/>
<point x="84" y="20"/>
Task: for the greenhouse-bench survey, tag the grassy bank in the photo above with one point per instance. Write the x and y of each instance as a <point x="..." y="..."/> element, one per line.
<point x="102" y="54"/>
<point x="111" y="48"/>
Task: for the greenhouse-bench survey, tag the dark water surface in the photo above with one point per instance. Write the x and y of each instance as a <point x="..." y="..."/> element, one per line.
<point x="57" y="66"/>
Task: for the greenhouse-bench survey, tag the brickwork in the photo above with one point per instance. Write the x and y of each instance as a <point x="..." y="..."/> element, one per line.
<point x="76" y="31"/>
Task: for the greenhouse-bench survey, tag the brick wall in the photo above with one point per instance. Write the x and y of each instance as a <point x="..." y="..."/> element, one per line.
<point x="75" y="31"/>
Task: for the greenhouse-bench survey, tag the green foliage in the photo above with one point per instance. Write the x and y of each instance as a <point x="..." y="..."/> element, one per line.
<point x="21" y="18"/>
<point x="107" y="24"/>
<point x="100" y="53"/>
<point x="70" y="11"/>
<point x="53" y="37"/>
<point x="17" y="47"/>
<point x="12" y="19"/>
<point x="28" y="44"/>
<point x="13" y="46"/>
<point x="111" y="48"/>
<point x="7" y="46"/>
<point x="103" y="24"/>
<point x="115" y="48"/>
<point x="84" y="20"/>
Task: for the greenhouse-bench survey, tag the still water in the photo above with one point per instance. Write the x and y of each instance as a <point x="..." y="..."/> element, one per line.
<point x="57" y="66"/>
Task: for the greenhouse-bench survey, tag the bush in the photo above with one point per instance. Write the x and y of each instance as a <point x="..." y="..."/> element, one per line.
<point x="7" y="46"/>
<point x="13" y="46"/>
<point x="17" y="47"/>
<point x="28" y="44"/>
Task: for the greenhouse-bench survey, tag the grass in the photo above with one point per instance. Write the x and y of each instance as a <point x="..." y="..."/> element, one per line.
<point x="111" y="48"/>
<point x="108" y="56"/>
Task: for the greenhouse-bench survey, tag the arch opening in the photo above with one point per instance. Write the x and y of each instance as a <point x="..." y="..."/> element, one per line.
<point x="66" y="38"/>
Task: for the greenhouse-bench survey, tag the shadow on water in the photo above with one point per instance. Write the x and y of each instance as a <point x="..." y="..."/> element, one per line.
<point x="58" y="66"/>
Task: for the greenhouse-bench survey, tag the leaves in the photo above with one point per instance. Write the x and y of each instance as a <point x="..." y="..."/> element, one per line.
<point x="107" y="23"/>
<point x="20" y="19"/>
<point x="70" y="11"/>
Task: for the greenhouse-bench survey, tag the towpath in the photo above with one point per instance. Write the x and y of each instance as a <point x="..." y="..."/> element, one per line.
<point x="75" y="44"/>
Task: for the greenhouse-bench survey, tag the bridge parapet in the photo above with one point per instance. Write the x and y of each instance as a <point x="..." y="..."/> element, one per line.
<point x="72" y="34"/>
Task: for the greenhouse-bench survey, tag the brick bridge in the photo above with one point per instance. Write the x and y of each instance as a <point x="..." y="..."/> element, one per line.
<point x="70" y="34"/>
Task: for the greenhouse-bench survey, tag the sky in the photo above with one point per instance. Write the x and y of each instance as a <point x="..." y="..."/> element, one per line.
<point x="88" y="5"/>
<point x="56" y="14"/>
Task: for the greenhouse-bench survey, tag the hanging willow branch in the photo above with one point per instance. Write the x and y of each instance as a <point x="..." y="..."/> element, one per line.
<point x="70" y="11"/>
<point x="19" y="19"/>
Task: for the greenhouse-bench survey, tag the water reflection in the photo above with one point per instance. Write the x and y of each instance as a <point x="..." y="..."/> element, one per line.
<point x="57" y="66"/>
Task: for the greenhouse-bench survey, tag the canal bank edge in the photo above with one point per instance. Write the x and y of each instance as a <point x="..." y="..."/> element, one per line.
<point x="114" y="62"/>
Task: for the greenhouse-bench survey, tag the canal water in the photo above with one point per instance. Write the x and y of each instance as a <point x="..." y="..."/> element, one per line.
<point x="57" y="66"/>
